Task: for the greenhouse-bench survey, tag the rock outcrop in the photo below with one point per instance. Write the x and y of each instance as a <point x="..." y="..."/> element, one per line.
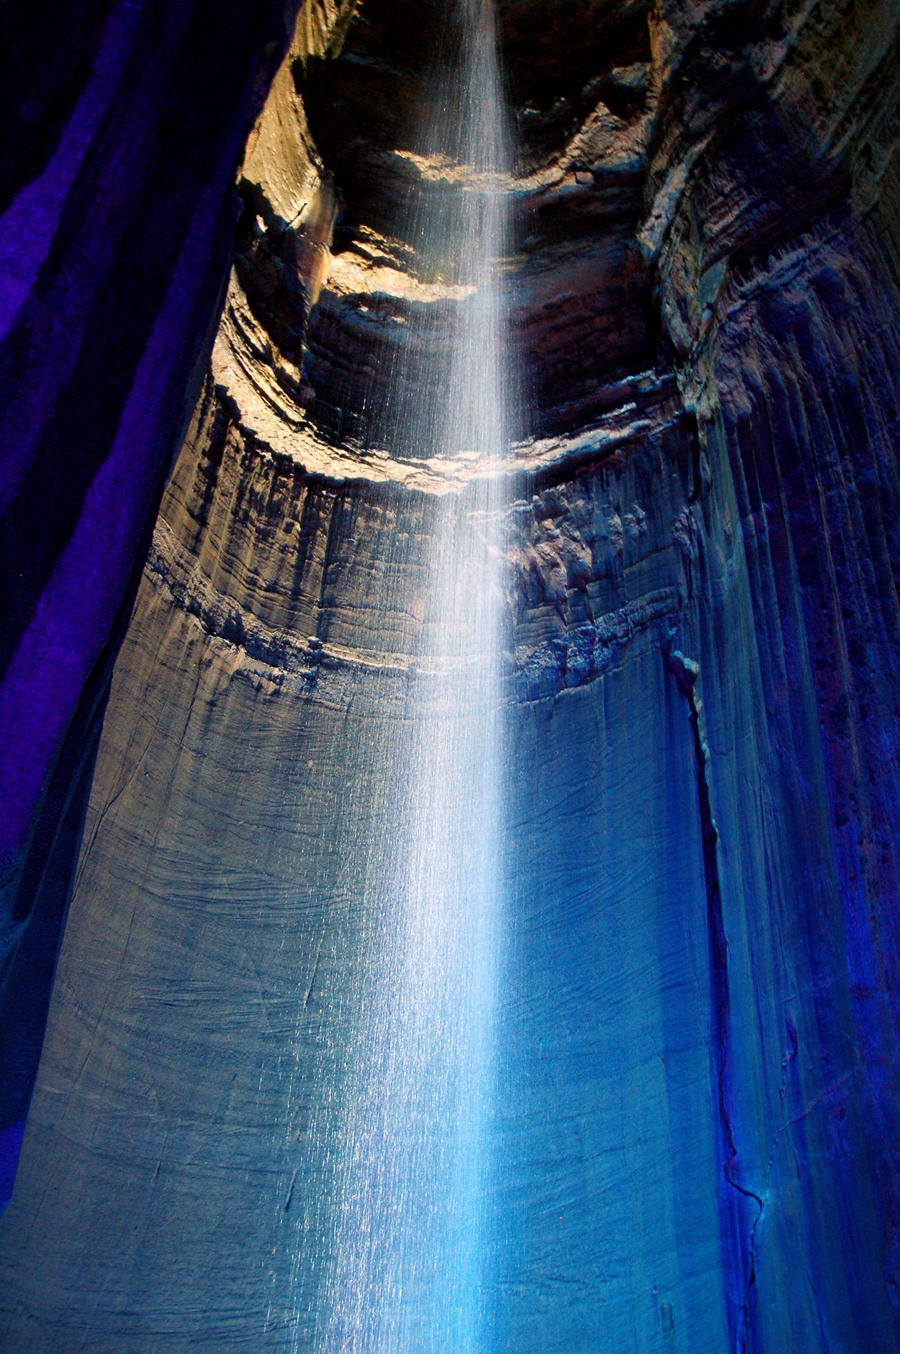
<point x="123" y="129"/>
<point x="695" y="1144"/>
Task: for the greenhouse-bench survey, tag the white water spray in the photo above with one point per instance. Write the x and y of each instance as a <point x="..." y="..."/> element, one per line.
<point x="411" y="1161"/>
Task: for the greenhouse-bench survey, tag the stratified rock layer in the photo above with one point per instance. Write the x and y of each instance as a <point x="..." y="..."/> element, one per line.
<point x="695" y="1137"/>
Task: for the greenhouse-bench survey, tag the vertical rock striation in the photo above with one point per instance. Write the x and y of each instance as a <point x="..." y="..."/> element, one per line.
<point x="124" y="127"/>
<point x="774" y="237"/>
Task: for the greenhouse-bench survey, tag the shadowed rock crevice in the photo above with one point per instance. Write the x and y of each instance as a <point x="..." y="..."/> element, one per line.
<point x="742" y="1325"/>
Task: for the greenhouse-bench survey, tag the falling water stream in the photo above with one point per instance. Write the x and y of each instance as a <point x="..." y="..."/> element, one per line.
<point x="412" y="1162"/>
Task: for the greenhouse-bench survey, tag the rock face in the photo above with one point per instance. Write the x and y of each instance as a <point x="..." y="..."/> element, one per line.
<point x="116" y="236"/>
<point x="696" y="1137"/>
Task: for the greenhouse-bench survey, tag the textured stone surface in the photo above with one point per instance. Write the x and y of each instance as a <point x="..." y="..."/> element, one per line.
<point x="696" y="1140"/>
<point x="123" y="130"/>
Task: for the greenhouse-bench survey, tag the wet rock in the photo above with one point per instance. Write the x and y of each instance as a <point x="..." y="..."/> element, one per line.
<point x="117" y="233"/>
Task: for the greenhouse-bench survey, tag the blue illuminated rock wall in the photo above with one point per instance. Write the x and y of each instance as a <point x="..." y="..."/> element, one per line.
<point x="778" y="279"/>
<point x="812" y="830"/>
<point x="124" y="125"/>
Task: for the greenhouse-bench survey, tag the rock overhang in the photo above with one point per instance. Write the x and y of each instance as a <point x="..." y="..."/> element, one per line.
<point x="577" y="288"/>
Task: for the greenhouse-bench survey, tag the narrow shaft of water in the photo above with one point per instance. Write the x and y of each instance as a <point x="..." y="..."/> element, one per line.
<point x="413" y="1162"/>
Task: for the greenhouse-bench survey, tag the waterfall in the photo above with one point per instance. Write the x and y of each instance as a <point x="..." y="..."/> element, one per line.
<point x="412" y="1162"/>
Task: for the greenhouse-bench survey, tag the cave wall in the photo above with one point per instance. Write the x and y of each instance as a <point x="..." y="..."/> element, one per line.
<point x="695" y="1144"/>
<point x="124" y="124"/>
<point x="778" y="277"/>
